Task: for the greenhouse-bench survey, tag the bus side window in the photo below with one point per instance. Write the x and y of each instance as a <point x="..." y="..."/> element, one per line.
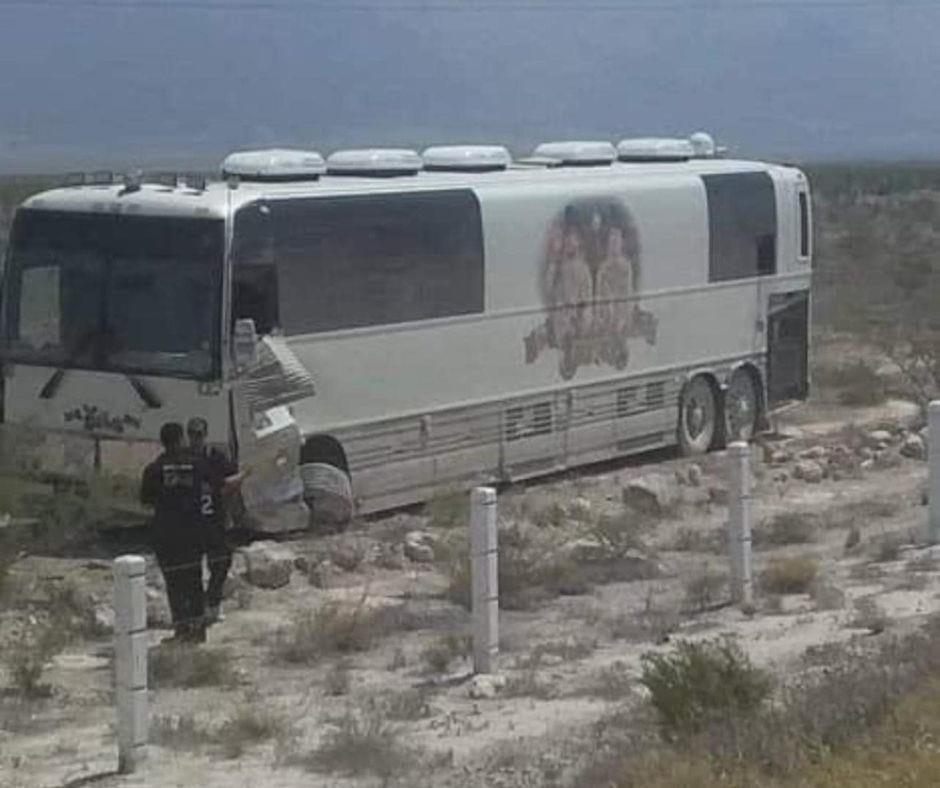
<point x="804" y="225"/>
<point x="255" y="296"/>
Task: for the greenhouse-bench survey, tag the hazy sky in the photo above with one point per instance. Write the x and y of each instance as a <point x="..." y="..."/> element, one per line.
<point x="105" y="82"/>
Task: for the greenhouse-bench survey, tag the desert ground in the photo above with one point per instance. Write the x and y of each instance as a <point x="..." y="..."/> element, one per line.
<point x="343" y="659"/>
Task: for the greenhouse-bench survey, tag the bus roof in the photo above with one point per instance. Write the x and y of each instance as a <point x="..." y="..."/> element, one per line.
<point x="215" y="199"/>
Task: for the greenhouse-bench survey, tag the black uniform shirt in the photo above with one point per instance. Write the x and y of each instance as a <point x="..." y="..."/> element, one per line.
<point x="170" y="485"/>
<point x="212" y="469"/>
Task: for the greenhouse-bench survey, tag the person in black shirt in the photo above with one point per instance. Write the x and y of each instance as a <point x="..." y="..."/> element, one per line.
<point x="219" y="477"/>
<point x="170" y="485"/>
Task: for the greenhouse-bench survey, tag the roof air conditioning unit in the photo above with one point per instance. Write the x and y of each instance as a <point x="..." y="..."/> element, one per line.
<point x="374" y="162"/>
<point x="655" y="149"/>
<point x="466" y="158"/>
<point x="274" y="165"/>
<point x="576" y="153"/>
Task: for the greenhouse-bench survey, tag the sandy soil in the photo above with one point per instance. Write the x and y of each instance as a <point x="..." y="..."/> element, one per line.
<point x="571" y="662"/>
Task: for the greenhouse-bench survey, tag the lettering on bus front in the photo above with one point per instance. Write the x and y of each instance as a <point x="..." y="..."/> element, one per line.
<point x="590" y="274"/>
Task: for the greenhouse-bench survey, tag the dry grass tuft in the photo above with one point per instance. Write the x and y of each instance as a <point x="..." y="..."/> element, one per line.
<point x="793" y="575"/>
<point x="611" y="683"/>
<point x="362" y="743"/>
<point x="335" y="628"/>
<point x="786" y="528"/>
<point x="449" y="509"/>
<point x="439" y="655"/>
<point x="689" y="539"/>
<point x="887" y="548"/>
<point x="172" y="666"/>
<point x="29" y="652"/>
<point x="338" y="680"/>
<point x="705" y="588"/>
<point x="249" y="724"/>
<point x="407" y="706"/>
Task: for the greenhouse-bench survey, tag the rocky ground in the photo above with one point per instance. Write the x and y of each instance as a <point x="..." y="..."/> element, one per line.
<point x="343" y="660"/>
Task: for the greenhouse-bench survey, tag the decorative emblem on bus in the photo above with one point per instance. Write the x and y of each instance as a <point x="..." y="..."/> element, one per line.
<point x="94" y="419"/>
<point x="589" y="277"/>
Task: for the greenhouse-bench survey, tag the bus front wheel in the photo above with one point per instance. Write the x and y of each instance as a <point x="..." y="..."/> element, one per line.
<point x="698" y="417"/>
<point x="328" y="495"/>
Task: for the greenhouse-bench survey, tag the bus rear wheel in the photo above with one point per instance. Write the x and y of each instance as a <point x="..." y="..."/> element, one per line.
<point x="741" y="407"/>
<point x="698" y="417"/>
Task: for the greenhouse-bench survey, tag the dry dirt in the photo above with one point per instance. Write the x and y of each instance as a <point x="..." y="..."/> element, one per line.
<point x="571" y="662"/>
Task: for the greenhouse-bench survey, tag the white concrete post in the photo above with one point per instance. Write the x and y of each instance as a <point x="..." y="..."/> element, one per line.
<point x="933" y="481"/>
<point x="130" y="660"/>
<point x="484" y="567"/>
<point x="739" y="523"/>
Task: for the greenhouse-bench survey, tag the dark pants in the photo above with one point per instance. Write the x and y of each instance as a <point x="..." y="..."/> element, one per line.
<point x="182" y="571"/>
<point x="219" y="557"/>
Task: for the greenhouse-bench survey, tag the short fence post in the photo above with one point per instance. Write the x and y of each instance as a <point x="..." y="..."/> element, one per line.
<point x="739" y="524"/>
<point x="933" y="481"/>
<point x="130" y="660"/>
<point x="484" y="566"/>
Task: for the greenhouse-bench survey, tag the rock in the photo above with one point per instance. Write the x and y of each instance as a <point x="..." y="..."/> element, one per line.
<point x="814" y="453"/>
<point x="239" y="566"/>
<point x="880" y="438"/>
<point x="865" y="452"/>
<point x="321" y="574"/>
<point x="694" y="475"/>
<point x="269" y="565"/>
<point x="585" y="551"/>
<point x="486" y="686"/>
<point x="234" y="585"/>
<point x="101" y="619"/>
<point x="349" y="553"/>
<point x="419" y="547"/>
<point x="652" y="494"/>
<point x="579" y="509"/>
<point x="391" y="556"/>
<point x="809" y="471"/>
<point x="158" y="610"/>
<point x="718" y="495"/>
<point x="302" y="564"/>
<point x="914" y="448"/>
<point x="780" y="457"/>
<point x="551" y="660"/>
<point x="867" y="465"/>
<point x="696" y="496"/>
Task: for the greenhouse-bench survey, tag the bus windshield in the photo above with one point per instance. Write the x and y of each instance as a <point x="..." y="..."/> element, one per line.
<point x="132" y="294"/>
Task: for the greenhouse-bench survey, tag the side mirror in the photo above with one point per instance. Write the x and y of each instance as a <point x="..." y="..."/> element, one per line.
<point x="245" y="343"/>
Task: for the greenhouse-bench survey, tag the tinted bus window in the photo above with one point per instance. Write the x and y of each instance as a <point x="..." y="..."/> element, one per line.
<point x="367" y="260"/>
<point x="742" y="223"/>
<point x="804" y="225"/>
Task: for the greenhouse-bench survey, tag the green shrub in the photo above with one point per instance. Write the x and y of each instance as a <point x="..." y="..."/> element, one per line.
<point x="697" y="681"/>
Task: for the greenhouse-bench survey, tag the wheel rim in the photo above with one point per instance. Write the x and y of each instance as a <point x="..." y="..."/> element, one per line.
<point x="698" y="415"/>
<point x="740" y="407"/>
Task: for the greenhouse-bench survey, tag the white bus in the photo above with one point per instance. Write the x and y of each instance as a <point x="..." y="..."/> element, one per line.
<point x="365" y="330"/>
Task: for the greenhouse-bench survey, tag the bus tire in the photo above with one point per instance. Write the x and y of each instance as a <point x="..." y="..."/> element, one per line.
<point x="328" y="495"/>
<point x="698" y="417"/>
<point x="741" y="407"/>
